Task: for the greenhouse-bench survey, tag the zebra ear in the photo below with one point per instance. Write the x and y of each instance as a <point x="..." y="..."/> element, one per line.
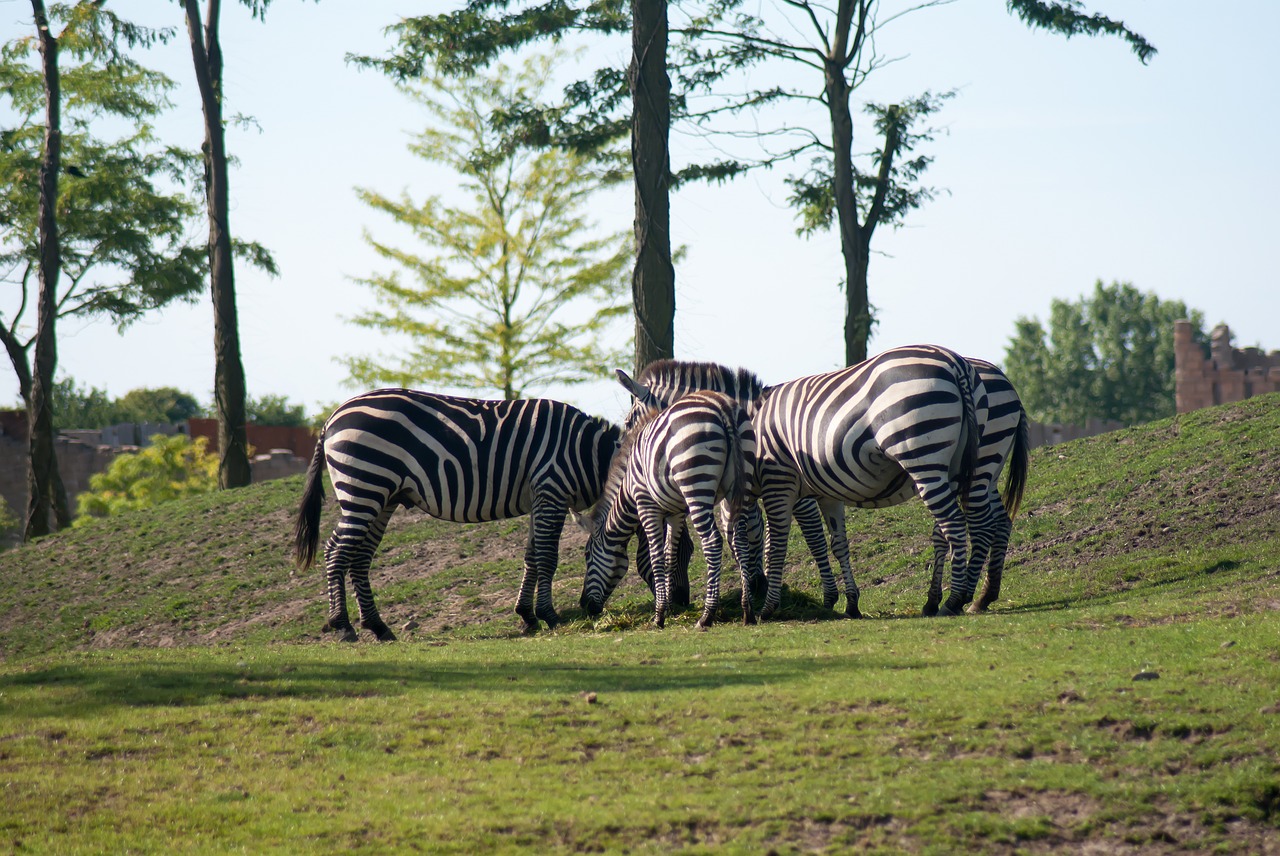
<point x="640" y="393"/>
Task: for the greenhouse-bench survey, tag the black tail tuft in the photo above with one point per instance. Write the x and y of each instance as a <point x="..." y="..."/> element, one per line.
<point x="306" y="532"/>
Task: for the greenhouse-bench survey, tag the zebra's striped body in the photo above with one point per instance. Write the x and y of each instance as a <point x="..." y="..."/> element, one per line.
<point x="1002" y="429"/>
<point x="901" y="424"/>
<point x="459" y="459"/>
<point x="658" y="385"/>
<point x="675" y="464"/>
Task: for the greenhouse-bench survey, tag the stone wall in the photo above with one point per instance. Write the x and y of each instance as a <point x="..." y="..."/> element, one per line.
<point x="1227" y="374"/>
<point x="82" y="453"/>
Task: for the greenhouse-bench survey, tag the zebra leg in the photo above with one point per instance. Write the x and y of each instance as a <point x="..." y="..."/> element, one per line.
<point x="1003" y="528"/>
<point x="952" y="524"/>
<point x="349" y="552"/>
<point x="704" y="522"/>
<point x="549" y="524"/>
<point x="777" y="508"/>
<point x="336" y="563"/>
<point x="940" y="552"/>
<point x="740" y="539"/>
<point x="982" y="533"/>
<point x="808" y="517"/>
<point x="652" y="523"/>
<point x="359" y="573"/>
<point x="541" y="553"/>
<point x="644" y="565"/>
<point x="678" y="570"/>
<point x="833" y="510"/>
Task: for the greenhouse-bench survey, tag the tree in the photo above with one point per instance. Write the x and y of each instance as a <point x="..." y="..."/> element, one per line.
<point x="462" y="41"/>
<point x="164" y="404"/>
<point x="1108" y="356"/>
<point x="229" y="379"/>
<point x="275" y="410"/>
<point x="121" y="245"/>
<point x="171" y="467"/>
<point x="77" y="407"/>
<point x="837" y="41"/>
<point x="513" y="293"/>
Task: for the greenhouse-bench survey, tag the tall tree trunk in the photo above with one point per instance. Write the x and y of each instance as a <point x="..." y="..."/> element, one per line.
<point x="653" y="282"/>
<point x="45" y="495"/>
<point x="229" y="382"/>
<point x="857" y="312"/>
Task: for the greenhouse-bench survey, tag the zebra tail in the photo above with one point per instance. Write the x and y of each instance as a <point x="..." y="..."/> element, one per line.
<point x="969" y="455"/>
<point x="306" y="532"/>
<point x="1019" y="464"/>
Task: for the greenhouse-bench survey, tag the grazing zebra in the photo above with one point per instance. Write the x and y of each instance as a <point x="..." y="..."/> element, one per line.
<point x="458" y="459"/>
<point x="1002" y="429"/>
<point x="902" y="423"/>
<point x="674" y="464"/>
<point x="658" y="385"/>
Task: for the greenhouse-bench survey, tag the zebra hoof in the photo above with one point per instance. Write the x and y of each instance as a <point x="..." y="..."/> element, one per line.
<point x="930" y="610"/>
<point x="551" y="618"/>
<point x="829" y="601"/>
<point x="748" y="619"/>
<point x="851" y="611"/>
<point x="659" y="621"/>
<point x="946" y="611"/>
<point x="349" y="635"/>
<point x="766" y="613"/>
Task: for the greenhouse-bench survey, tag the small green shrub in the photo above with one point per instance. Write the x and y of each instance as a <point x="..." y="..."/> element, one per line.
<point x="169" y="468"/>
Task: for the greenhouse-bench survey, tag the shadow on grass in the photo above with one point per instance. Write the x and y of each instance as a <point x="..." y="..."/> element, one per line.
<point x="90" y="689"/>
<point x="1125" y="591"/>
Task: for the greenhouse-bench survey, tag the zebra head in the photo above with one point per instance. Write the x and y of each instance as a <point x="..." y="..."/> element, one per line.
<point x="610" y="525"/>
<point x="606" y="559"/>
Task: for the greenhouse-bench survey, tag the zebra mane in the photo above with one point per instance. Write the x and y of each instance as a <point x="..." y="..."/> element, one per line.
<point x="617" y="472"/>
<point x="684" y="376"/>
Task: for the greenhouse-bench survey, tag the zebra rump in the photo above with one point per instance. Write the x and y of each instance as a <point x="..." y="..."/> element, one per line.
<point x="900" y="424"/>
<point x="458" y="459"/>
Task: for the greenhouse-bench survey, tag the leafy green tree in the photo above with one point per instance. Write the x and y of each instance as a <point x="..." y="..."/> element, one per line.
<point x="1107" y="356"/>
<point x="833" y="43"/>
<point x="163" y="404"/>
<point x="513" y="292"/>
<point x="275" y="410"/>
<point x="44" y="222"/>
<point x="169" y="468"/>
<point x="77" y="407"/>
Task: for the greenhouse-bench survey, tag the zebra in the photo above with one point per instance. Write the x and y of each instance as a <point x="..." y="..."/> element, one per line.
<point x="460" y="459"/>
<point x="656" y="386"/>
<point x="1002" y="428"/>
<point x="674" y="464"/>
<point x="902" y="423"/>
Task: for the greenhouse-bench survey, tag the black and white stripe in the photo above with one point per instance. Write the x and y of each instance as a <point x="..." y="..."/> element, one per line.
<point x="1002" y="429"/>
<point x="658" y="385"/>
<point x="901" y="424"/>
<point x="459" y="459"/>
<point x="675" y="464"/>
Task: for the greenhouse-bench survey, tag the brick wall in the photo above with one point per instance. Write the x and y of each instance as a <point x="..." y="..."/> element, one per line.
<point x="1228" y="374"/>
<point x="82" y="453"/>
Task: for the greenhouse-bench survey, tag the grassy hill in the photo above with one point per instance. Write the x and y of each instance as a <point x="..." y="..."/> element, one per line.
<point x="161" y="691"/>
<point x="1188" y="505"/>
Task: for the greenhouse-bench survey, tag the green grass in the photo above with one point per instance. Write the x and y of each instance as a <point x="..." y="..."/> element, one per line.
<point x="162" y="690"/>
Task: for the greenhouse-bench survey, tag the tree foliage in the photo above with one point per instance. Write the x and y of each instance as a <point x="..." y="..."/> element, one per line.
<point x="858" y="179"/>
<point x="1106" y="356"/>
<point x="513" y="291"/>
<point x="124" y="206"/>
<point x="77" y="407"/>
<point x="170" y="467"/>
<point x="275" y="410"/>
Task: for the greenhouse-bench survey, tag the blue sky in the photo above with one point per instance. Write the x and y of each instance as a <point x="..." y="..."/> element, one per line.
<point x="1062" y="163"/>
